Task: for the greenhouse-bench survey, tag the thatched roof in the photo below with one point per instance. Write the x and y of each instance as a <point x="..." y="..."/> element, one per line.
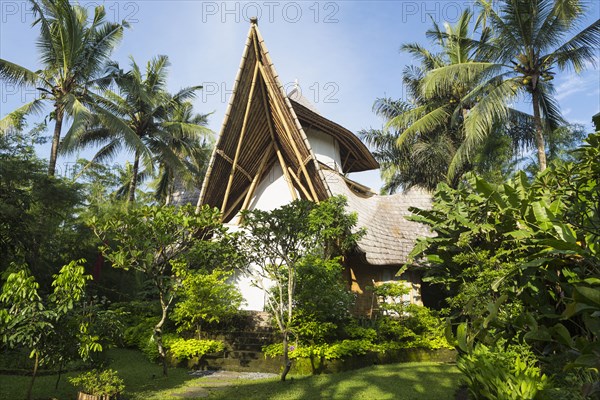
<point x="264" y="126"/>
<point x="389" y="237"/>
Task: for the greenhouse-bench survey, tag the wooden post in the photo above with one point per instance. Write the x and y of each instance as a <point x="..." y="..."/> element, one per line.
<point x="242" y="133"/>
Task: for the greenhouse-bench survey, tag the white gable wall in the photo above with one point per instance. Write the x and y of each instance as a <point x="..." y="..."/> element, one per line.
<point x="325" y="148"/>
<point x="273" y="192"/>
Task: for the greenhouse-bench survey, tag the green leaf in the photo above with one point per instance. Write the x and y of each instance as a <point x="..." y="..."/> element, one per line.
<point x="461" y="336"/>
<point x="541" y="217"/>
<point x="587" y="295"/>
<point x="592" y="281"/>
<point x="562" y="335"/>
<point x="541" y="334"/>
<point x="565" y="232"/>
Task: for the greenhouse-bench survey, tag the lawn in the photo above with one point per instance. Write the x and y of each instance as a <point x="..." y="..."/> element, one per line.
<point x="143" y="381"/>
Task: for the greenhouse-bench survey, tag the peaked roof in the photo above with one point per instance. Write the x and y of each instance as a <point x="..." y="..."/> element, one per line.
<point x="262" y="126"/>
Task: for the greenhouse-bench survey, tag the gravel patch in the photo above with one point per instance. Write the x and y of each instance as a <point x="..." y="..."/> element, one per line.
<point x="233" y="375"/>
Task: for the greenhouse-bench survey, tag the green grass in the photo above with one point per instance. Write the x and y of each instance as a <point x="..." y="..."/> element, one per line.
<point x="410" y="381"/>
<point x="144" y="381"/>
<point x="141" y="379"/>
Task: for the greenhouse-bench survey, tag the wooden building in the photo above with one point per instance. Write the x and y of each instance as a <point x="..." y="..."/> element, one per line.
<point x="275" y="147"/>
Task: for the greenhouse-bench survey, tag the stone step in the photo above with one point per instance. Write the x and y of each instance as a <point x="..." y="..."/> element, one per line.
<point x="256" y="347"/>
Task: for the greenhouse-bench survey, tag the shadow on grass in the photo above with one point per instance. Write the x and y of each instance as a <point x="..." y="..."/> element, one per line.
<point x="144" y="381"/>
<point x="410" y="381"/>
<point x="142" y="378"/>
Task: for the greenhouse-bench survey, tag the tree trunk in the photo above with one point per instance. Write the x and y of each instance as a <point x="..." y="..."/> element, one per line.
<point x="158" y="336"/>
<point x="55" y="141"/>
<point x="35" y="368"/>
<point x="133" y="182"/>
<point x="539" y="130"/>
<point x="60" y="371"/>
<point x="287" y="363"/>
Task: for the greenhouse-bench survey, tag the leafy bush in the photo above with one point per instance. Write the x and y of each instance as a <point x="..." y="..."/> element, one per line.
<point x="138" y="335"/>
<point x="99" y="383"/>
<point x="500" y="374"/>
<point x="205" y="298"/>
<point x="188" y="348"/>
<point x="355" y="331"/>
<point x="391" y="296"/>
<point x="393" y="329"/>
<point x="329" y="351"/>
<point x="149" y="348"/>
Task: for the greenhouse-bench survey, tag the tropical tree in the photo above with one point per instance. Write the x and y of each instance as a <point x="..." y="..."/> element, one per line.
<point x="193" y="152"/>
<point x="142" y="117"/>
<point x="29" y="321"/>
<point x="422" y="138"/>
<point x="529" y="42"/>
<point x="282" y="242"/>
<point x="420" y="161"/>
<point x="73" y="50"/>
<point x="161" y="242"/>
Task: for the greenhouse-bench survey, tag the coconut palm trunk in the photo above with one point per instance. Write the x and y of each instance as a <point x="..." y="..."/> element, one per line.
<point x="134" y="175"/>
<point x="539" y="129"/>
<point x="60" y="113"/>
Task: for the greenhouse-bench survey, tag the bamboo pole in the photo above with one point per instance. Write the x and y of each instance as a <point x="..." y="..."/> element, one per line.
<point x="242" y="133"/>
<point x="288" y="131"/>
<point x="276" y="146"/>
<point x="300" y="184"/>
<point x="234" y="204"/>
<point x="230" y="161"/>
<point x="209" y="171"/>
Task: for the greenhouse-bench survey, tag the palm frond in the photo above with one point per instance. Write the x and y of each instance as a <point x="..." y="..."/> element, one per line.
<point x="431" y="121"/>
<point x="443" y="80"/>
<point x="15" y="119"/>
<point x="549" y="107"/>
<point x="581" y="49"/>
<point x="17" y="75"/>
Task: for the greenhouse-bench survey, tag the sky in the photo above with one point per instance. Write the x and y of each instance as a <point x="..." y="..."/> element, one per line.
<point x="343" y="54"/>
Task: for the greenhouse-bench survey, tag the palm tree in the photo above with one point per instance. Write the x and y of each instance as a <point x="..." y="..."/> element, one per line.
<point x="73" y="51"/>
<point x="421" y="161"/>
<point x="193" y="153"/>
<point x="529" y="43"/>
<point x="430" y="131"/>
<point x="421" y="138"/>
<point x="139" y="118"/>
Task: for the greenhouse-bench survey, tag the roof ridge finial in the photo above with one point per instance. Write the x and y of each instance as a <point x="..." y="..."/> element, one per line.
<point x="296" y="85"/>
<point x="254" y="20"/>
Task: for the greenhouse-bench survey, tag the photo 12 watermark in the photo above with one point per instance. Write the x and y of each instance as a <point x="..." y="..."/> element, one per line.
<point x="439" y="11"/>
<point x="315" y="92"/>
<point x="271" y="11"/>
<point x="17" y="94"/>
<point x="116" y="11"/>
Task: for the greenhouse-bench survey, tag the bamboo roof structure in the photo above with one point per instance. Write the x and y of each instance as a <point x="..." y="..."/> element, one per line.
<point x="263" y="126"/>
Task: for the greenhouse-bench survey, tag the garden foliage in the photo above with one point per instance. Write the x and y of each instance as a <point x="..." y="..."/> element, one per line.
<point x="520" y="261"/>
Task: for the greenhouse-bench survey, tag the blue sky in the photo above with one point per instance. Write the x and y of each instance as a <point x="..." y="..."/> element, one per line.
<point x="344" y="54"/>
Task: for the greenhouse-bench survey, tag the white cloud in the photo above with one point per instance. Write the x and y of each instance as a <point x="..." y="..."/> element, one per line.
<point x="573" y="84"/>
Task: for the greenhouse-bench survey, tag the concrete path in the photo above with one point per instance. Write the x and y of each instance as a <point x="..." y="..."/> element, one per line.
<point x="216" y="380"/>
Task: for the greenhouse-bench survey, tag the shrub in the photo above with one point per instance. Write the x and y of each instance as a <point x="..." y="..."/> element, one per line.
<point x="358" y="332"/>
<point x="501" y="374"/>
<point x="329" y="351"/>
<point x="187" y="348"/>
<point x="99" y="383"/>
